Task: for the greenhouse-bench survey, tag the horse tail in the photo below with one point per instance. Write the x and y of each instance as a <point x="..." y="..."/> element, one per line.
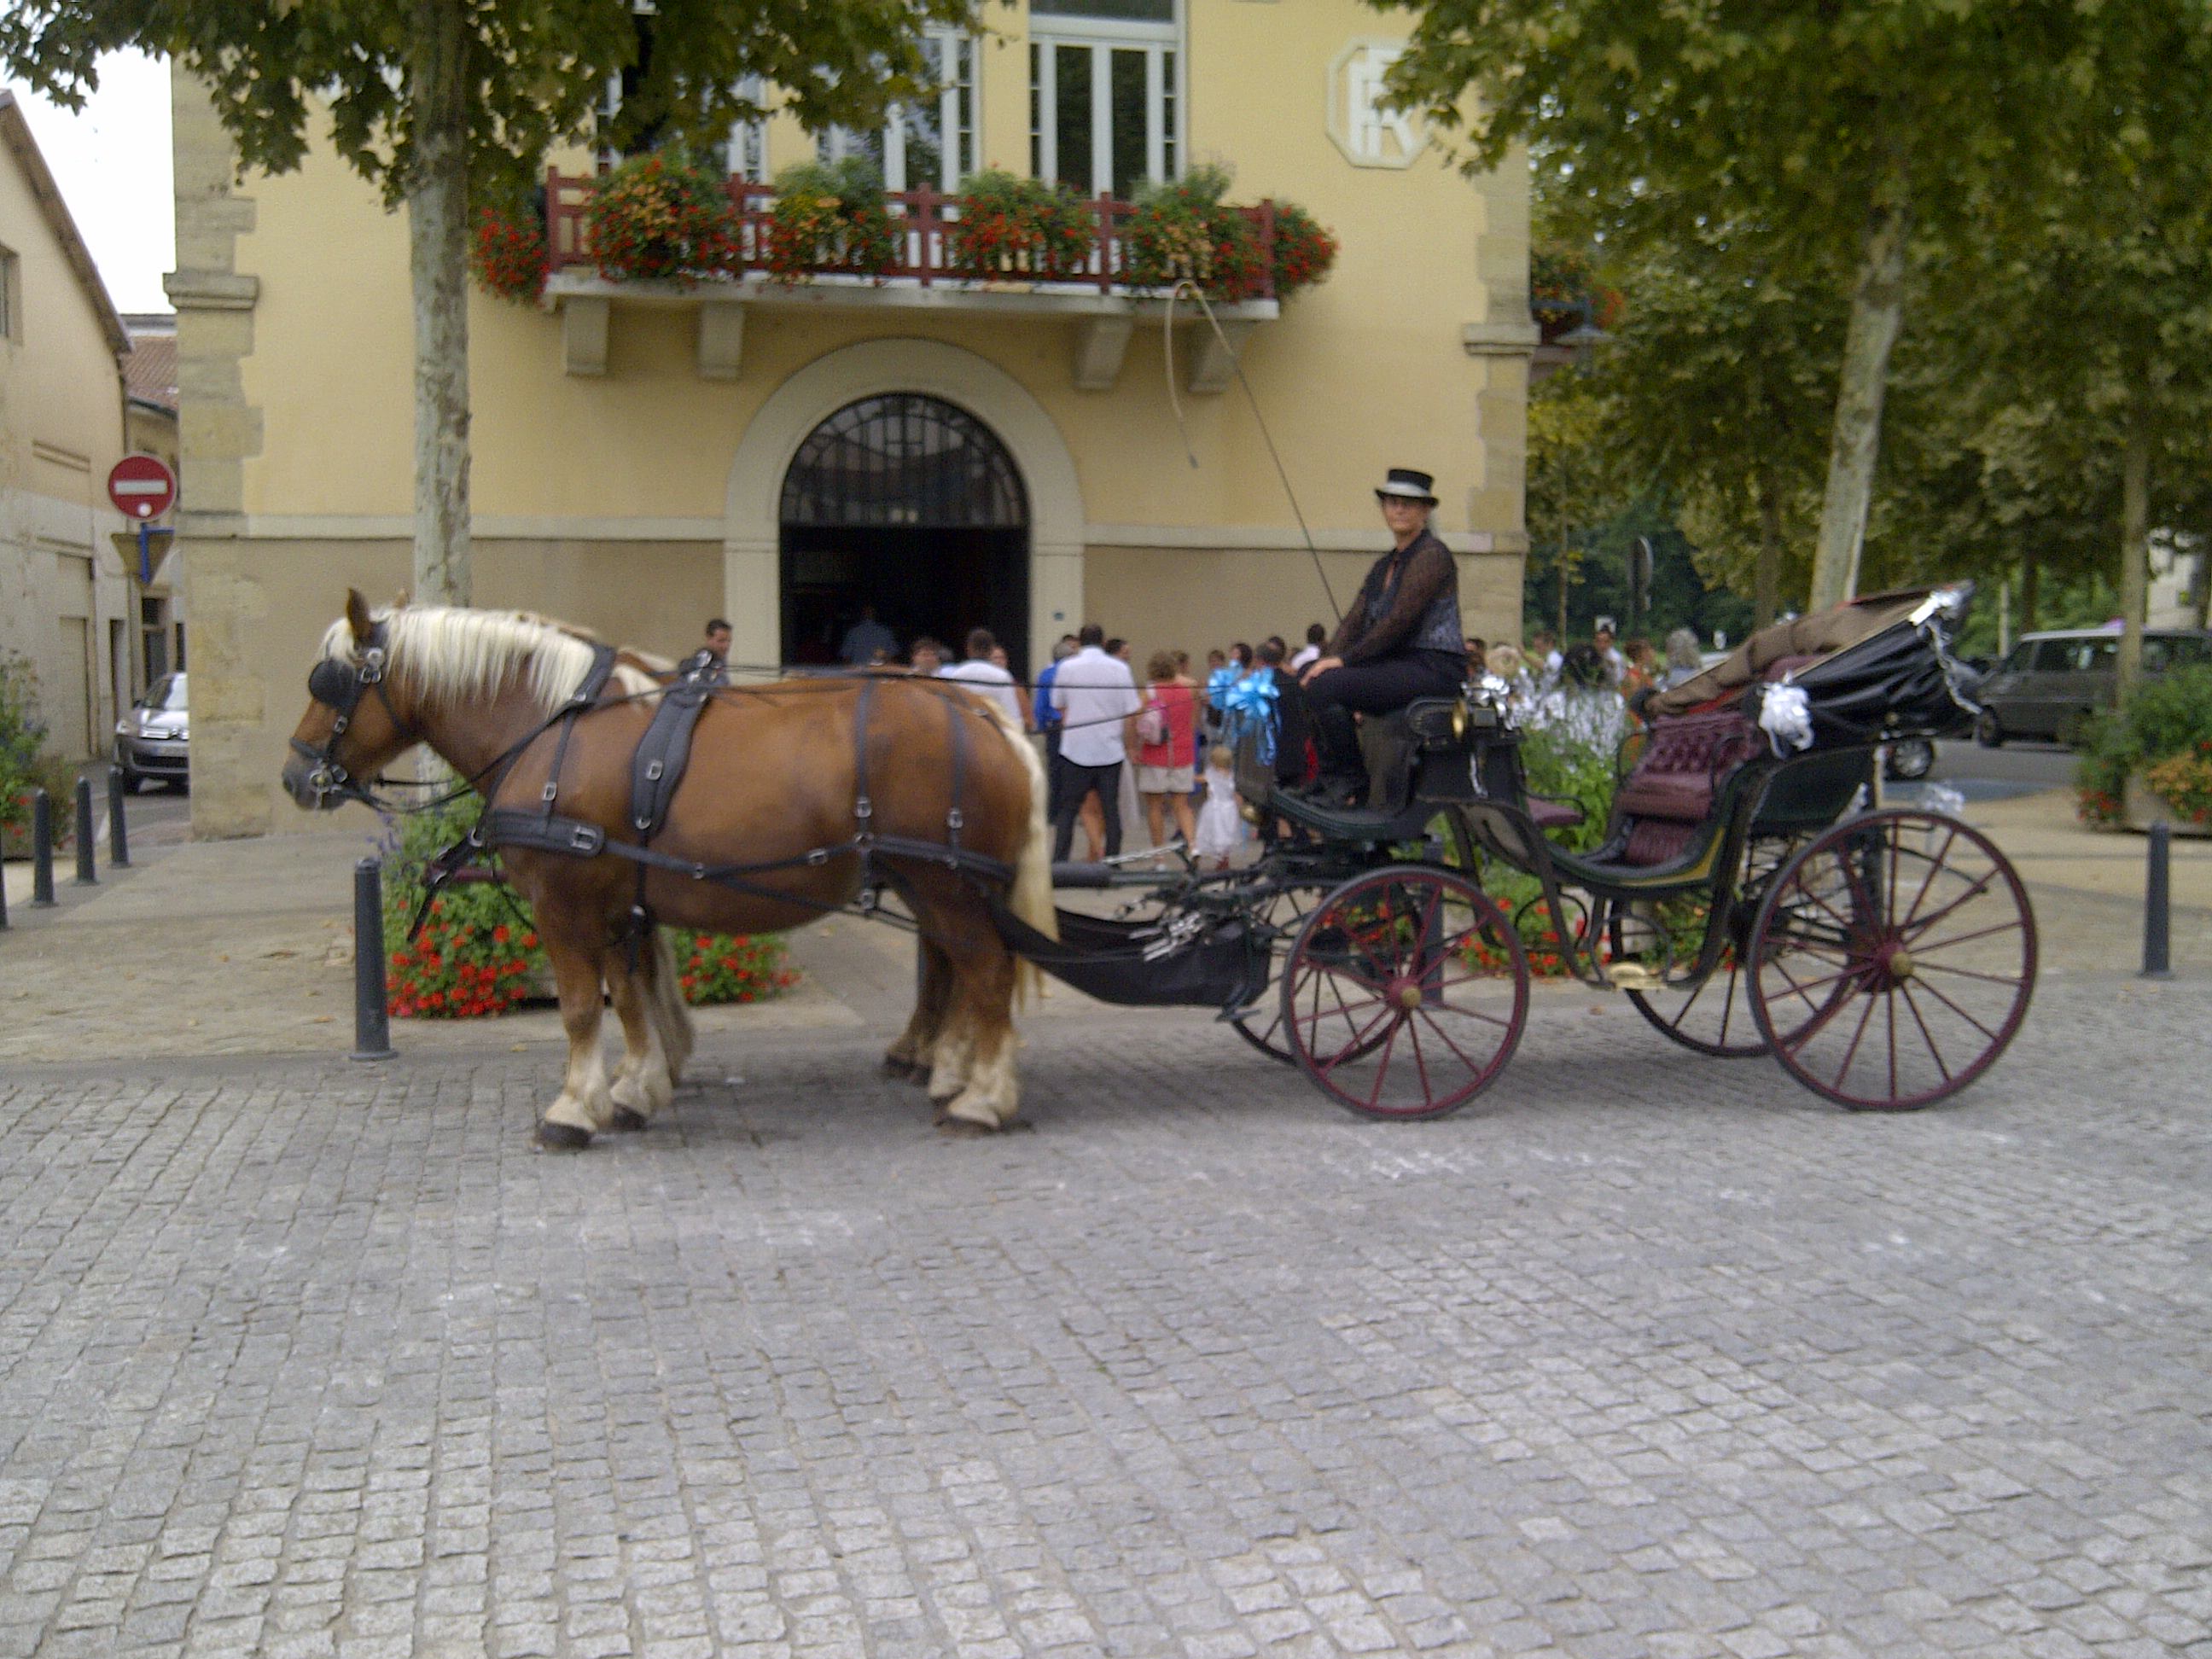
<point x="1032" y="895"/>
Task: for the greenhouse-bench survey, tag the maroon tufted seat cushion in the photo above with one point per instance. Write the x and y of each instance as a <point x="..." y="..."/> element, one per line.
<point x="1684" y="761"/>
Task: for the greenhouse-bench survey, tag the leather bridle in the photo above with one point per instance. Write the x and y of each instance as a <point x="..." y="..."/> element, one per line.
<point x="339" y="684"/>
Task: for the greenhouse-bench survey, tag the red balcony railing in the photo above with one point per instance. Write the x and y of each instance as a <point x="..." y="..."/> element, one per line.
<point x="921" y="219"/>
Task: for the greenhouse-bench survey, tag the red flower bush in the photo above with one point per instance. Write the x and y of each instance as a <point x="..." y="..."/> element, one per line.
<point x="1019" y="227"/>
<point x="465" y="963"/>
<point x="1305" y="251"/>
<point x="660" y="217"/>
<point x="830" y="216"/>
<point x="1185" y="231"/>
<point x="730" y="967"/>
<point x="509" y="254"/>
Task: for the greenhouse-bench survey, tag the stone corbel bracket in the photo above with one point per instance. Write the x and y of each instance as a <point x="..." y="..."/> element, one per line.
<point x="1500" y="339"/>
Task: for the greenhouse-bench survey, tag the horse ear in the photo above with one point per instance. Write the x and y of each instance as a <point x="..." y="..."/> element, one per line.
<point x="358" y="617"/>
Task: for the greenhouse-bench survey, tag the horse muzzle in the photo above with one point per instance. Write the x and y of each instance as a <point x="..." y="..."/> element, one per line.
<point x="314" y="783"/>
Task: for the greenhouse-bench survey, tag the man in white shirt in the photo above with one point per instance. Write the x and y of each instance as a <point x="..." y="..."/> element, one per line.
<point x="985" y="677"/>
<point x="1096" y="697"/>
<point x="1316" y="637"/>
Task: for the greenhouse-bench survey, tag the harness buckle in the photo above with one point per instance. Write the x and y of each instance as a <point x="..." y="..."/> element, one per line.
<point x="652" y="771"/>
<point x="954" y="820"/>
<point x="550" y="792"/>
<point x="818" y="857"/>
<point x="864" y="808"/>
<point x="372" y="665"/>
<point x="698" y="873"/>
<point x="338" y="725"/>
<point x="585" y="838"/>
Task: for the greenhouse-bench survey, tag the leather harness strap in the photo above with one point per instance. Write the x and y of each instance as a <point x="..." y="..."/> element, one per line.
<point x="658" y="766"/>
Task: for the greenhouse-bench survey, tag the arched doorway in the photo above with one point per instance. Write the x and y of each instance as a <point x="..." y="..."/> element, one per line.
<point x="910" y="504"/>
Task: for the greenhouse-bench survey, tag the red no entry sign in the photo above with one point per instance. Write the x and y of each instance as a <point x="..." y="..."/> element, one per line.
<point x="142" y="487"/>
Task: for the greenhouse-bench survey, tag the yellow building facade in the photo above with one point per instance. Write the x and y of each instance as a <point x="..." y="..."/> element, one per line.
<point x="65" y="593"/>
<point x="646" y="457"/>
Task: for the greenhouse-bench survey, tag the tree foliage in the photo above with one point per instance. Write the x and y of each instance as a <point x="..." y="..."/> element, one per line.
<point x="536" y="70"/>
<point x="1828" y="133"/>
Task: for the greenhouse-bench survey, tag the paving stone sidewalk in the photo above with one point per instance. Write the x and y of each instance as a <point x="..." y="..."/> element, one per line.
<point x="1647" y="1355"/>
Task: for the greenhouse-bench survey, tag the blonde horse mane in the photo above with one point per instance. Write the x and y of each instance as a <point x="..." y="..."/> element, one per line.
<point x="448" y="653"/>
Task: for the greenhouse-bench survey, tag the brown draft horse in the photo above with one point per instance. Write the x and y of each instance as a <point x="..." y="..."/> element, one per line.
<point x="773" y="775"/>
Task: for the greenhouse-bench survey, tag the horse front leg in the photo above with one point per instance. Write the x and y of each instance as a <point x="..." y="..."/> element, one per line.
<point x="584" y="1106"/>
<point x="643" y="1084"/>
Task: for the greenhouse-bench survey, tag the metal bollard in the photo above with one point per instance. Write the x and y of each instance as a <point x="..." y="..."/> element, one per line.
<point x="118" y="832"/>
<point x="88" y="871"/>
<point x="42" y="849"/>
<point x="2157" y="905"/>
<point x="371" y="1024"/>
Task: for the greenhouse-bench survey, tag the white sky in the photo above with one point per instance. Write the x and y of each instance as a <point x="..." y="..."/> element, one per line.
<point x="112" y="161"/>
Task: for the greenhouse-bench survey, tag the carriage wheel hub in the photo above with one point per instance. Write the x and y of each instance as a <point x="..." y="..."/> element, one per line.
<point x="1408" y="996"/>
<point x="1897" y="961"/>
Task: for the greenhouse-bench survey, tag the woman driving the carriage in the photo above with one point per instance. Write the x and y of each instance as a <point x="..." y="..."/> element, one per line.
<point x="1401" y="640"/>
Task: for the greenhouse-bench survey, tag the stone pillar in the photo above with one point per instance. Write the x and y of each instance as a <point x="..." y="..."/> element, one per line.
<point x="217" y="432"/>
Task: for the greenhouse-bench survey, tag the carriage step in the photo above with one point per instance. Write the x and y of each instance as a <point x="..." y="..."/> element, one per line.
<point x="1634" y="976"/>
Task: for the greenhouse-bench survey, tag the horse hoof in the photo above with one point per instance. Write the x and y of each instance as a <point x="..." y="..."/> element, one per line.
<point x="897" y="1065"/>
<point x="627" y="1121"/>
<point x="959" y="1128"/>
<point x="562" y="1137"/>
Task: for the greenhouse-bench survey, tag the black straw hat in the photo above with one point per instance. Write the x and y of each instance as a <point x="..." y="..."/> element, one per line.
<point x="1407" y="485"/>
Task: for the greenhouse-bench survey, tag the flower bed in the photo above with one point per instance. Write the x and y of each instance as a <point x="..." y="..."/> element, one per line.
<point x="660" y="217"/>
<point x="2157" y="748"/>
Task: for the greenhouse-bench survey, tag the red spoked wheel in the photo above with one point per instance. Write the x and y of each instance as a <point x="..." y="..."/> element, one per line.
<point x="1405" y="993"/>
<point x="1892" y="961"/>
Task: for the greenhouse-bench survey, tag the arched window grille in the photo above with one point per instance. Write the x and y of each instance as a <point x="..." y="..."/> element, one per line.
<point x="903" y="460"/>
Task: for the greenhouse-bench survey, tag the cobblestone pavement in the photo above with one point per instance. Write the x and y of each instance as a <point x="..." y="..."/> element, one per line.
<point x="297" y="1358"/>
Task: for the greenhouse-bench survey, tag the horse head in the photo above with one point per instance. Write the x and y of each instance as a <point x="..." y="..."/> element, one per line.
<point x="353" y="726"/>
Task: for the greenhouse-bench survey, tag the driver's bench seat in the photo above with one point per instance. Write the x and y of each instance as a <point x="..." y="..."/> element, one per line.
<point x="1417" y="759"/>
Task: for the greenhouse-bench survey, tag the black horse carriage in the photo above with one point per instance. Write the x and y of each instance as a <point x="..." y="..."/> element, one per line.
<point x="1745" y="896"/>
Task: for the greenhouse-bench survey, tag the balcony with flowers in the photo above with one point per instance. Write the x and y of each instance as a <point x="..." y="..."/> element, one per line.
<point x="658" y="231"/>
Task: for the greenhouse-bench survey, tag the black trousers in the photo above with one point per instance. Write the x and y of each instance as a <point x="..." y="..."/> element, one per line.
<point x="1372" y="688"/>
<point x="1055" y="786"/>
<point x="1076" y="783"/>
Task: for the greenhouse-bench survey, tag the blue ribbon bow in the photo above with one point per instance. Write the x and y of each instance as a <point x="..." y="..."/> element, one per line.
<point x="1251" y="701"/>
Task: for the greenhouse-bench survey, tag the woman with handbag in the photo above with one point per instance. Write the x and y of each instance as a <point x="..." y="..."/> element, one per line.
<point x="1167" y="752"/>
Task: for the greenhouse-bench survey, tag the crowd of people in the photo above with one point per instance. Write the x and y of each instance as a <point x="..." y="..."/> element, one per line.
<point x="1116" y="746"/>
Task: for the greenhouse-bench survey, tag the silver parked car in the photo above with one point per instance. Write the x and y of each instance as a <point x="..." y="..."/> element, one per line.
<point x="2049" y="683"/>
<point x="151" y="740"/>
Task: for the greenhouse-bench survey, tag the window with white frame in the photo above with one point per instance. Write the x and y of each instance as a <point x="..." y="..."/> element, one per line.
<point x="930" y="142"/>
<point x="1105" y="92"/>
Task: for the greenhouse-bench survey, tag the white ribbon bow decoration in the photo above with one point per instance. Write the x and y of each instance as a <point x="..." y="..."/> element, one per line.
<point x="1785" y="714"/>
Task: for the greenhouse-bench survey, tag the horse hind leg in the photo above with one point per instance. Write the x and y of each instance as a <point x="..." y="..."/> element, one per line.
<point x="643" y="1084"/>
<point x="584" y="1104"/>
<point x="913" y="1054"/>
<point x="989" y="1097"/>
<point x="972" y="1082"/>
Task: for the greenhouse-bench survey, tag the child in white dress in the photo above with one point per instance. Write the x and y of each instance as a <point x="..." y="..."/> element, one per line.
<point x="1220" y="830"/>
